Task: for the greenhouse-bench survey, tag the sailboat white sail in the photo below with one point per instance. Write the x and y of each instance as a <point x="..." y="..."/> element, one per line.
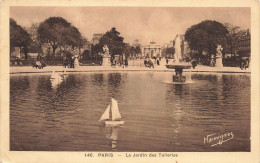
<point x="105" y="115"/>
<point x="115" y="114"/>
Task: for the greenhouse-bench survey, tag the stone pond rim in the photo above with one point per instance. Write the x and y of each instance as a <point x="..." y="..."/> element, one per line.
<point x="179" y="66"/>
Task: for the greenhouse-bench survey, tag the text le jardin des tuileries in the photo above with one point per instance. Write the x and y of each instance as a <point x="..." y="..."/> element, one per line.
<point x="131" y="155"/>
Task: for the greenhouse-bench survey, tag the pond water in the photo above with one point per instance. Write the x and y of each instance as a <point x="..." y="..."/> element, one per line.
<point x="158" y="115"/>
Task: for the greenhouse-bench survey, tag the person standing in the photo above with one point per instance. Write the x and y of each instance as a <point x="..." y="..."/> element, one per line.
<point x="193" y="63"/>
<point x="126" y="62"/>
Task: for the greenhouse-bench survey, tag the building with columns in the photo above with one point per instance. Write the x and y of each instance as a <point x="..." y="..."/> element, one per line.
<point x="152" y="50"/>
<point x="243" y="45"/>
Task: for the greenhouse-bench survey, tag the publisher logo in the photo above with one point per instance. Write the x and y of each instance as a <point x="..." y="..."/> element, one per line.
<point x="218" y="139"/>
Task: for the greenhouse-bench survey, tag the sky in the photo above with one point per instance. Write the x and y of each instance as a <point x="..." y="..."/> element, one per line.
<point x="159" y="24"/>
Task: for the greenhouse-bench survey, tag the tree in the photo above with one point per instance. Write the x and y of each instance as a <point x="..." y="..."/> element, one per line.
<point x="82" y="41"/>
<point x="205" y="36"/>
<point x="127" y="50"/>
<point x="170" y="51"/>
<point x="137" y="50"/>
<point x="132" y="50"/>
<point x="19" y="37"/>
<point x="114" y="42"/>
<point x="96" y="49"/>
<point x="234" y="34"/>
<point x="85" y="55"/>
<point x="58" y="32"/>
<point x="35" y="38"/>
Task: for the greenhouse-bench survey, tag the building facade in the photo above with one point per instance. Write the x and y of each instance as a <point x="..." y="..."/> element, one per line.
<point x="152" y="50"/>
<point x="244" y="45"/>
<point x="96" y="38"/>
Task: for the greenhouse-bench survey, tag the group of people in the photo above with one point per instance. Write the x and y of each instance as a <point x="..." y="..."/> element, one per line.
<point x="39" y="62"/>
<point x="244" y="63"/>
<point x="123" y="63"/>
<point x="69" y="62"/>
<point x="148" y="63"/>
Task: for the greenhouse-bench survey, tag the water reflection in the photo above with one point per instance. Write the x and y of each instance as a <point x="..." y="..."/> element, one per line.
<point x="160" y="116"/>
<point x="112" y="137"/>
<point x="180" y="95"/>
<point x="114" y="79"/>
<point x="65" y="76"/>
<point x="98" y="79"/>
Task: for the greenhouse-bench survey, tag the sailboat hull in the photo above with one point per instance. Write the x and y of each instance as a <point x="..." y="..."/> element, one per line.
<point x="114" y="123"/>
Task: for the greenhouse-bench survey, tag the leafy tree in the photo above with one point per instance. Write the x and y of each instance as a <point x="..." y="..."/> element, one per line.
<point x="96" y="49"/>
<point x="205" y="36"/>
<point x="234" y="34"/>
<point x="58" y="32"/>
<point x="114" y="42"/>
<point x="19" y="37"/>
<point x="137" y="50"/>
<point x="36" y="45"/>
<point x="132" y="50"/>
<point x="127" y="50"/>
<point x="170" y="51"/>
<point x="73" y="38"/>
<point x="81" y="42"/>
<point x="85" y="54"/>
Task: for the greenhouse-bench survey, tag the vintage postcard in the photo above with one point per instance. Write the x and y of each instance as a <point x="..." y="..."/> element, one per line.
<point x="130" y="81"/>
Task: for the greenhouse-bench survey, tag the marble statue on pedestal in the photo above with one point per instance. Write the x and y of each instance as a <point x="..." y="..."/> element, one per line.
<point x="219" y="51"/>
<point x="219" y="56"/>
<point x="106" y="56"/>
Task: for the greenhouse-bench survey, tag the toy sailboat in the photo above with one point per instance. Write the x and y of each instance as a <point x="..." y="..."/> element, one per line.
<point x="111" y="116"/>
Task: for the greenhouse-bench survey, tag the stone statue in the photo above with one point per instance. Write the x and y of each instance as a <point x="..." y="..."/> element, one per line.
<point x="219" y="63"/>
<point x="106" y="56"/>
<point x="106" y="50"/>
<point x="219" y="51"/>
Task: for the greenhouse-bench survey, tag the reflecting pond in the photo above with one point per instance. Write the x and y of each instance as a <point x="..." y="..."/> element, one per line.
<point x="210" y="114"/>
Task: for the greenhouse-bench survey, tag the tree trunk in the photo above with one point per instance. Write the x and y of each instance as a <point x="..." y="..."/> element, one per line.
<point x="80" y="57"/>
<point x="61" y="53"/>
<point x="40" y="48"/>
<point x="25" y="53"/>
<point x="231" y="49"/>
<point x="54" y="49"/>
<point x="20" y="51"/>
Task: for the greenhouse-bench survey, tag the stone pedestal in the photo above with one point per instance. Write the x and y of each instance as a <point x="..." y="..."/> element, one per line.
<point x="163" y="62"/>
<point x="219" y="63"/>
<point x="106" y="56"/>
<point x="76" y="63"/>
<point x="178" y="76"/>
<point x="106" y="61"/>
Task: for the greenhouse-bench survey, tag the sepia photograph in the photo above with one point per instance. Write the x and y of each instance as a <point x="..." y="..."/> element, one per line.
<point x="130" y="79"/>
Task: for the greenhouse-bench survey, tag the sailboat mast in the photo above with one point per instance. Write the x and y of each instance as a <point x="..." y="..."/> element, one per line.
<point x="115" y="112"/>
<point x="110" y="112"/>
